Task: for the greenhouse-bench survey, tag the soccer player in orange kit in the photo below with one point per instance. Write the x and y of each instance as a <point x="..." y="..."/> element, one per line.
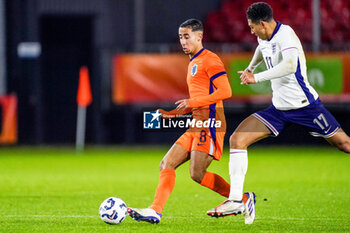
<point x="208" y="85"/>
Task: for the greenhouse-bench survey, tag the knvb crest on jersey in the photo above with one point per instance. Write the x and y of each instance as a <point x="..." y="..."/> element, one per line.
<point x="194" y="69"/>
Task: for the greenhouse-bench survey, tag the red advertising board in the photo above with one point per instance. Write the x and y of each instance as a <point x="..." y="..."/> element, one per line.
<point x="8" y="134"/>
<point x="155" y="78"/>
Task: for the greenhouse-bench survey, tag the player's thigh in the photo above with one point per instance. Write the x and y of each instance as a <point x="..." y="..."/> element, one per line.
<point x="316" y="118"/>
<point x="176" y="156"/>
<point x="340" y="140"/>
<point x="250" y="130"/>
<point x="199" y="163"/>
<point x="209" y="141"/>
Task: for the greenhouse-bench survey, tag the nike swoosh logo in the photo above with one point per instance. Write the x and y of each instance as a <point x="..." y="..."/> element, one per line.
<point x="199" y="144"/>
<point x="112" y="217"/>
<point x="327" y="130"/>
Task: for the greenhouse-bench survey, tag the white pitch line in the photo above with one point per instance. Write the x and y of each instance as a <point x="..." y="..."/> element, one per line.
<point x="269" y="218"/>
<point x="47" y="216"/>
<point x="169" y="217"/>
<point x="299" y="219"/>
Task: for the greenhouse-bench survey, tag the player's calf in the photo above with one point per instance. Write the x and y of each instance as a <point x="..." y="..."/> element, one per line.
<point x="345" y="147"/>
<point x="340" y="140"/>
<point x="199" y="164"/>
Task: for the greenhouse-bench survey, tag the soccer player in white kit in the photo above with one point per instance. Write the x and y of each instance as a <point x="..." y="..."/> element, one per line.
<point x="294" y="101"/>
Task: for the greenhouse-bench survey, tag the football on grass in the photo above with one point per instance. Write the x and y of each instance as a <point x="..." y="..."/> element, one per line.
<point x="112" y="210"/>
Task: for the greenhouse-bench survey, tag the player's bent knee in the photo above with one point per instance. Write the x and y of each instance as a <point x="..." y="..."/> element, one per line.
<point x="238" y="141"/>
<point x="197" y="176"/>
<point x="161" y="165"/>
<point x="166" y="164"/>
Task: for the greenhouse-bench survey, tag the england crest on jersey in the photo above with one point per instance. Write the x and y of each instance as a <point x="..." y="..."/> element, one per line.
<point x="194" y="70"/>
<point x="273" y="48"/>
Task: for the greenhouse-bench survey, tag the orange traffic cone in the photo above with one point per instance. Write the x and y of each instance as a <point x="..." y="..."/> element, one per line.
<point x="84" y="97"/>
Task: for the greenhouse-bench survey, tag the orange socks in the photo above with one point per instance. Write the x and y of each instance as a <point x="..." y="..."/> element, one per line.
<point x="216" y="183"/>
<point x="164" y="189"/>
<point x="167" y="183"/>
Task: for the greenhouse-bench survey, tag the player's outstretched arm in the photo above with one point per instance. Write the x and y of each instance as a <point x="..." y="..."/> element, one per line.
<point x="246" y="77"/>
<point x="287" y="66"/>
<point x="223" y="91"/>
<point x="256" y="60"/>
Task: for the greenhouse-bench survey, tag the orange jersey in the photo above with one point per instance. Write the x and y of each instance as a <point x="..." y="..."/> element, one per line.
<point x="206" y="74"/>
<point x="207" y="83"/>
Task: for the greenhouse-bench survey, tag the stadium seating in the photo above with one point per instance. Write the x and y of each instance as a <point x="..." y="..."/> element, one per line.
<point x="228" y="24"/>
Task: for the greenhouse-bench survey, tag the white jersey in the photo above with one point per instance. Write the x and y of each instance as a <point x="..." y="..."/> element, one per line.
<point x="294" y="90"/>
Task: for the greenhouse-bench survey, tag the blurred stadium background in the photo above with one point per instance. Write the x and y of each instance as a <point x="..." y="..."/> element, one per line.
<point x="135" y="62"/>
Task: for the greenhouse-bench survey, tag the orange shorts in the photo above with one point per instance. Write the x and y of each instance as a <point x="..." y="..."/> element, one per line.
<point x="203" y="141"/>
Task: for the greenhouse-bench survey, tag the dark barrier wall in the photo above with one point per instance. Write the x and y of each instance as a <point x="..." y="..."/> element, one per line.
<point x="72" y="33"/>
<point x="157" y="79"/>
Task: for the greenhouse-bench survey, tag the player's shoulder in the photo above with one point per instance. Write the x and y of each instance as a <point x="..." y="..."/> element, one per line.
<point x="210" y="56"/>
<point x="286" y="30"/>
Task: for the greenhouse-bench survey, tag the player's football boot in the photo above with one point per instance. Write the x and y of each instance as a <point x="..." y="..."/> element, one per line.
<point x="228" y="207"/>
<point x="146" y="215"/>
<point x="249" y="211"/>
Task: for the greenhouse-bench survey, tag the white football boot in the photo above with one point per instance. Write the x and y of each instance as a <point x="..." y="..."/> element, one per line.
<point x="249" y="212"/>
<point x="228" y="207"/>
<point x="147" y="215"/>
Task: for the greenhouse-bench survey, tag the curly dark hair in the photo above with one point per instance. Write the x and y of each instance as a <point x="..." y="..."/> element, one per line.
<point x="260" y="11"/>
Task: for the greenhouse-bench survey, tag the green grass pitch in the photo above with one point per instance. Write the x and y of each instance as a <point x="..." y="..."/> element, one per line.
<point x="56" y="190"/>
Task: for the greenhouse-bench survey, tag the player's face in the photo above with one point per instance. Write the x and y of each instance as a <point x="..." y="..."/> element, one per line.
<point x="190" y="41"/>
<point x="258" y="29"/>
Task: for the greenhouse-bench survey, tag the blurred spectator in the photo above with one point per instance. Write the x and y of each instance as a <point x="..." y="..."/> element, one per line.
<point x="229" y="24"/>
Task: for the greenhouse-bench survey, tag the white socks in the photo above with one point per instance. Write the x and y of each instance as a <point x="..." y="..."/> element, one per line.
<point x="238" y="166"/>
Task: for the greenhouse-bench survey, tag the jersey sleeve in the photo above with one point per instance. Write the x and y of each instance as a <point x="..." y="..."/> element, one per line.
<point x="223" y="91"/>
<point x="256" y="60"/>
<point x="287" y="66"/>
<point x="288" y="40"/>
<point x="288" y="43"/>
<point x="214" y="66"/>
<point x="221" y="88"/>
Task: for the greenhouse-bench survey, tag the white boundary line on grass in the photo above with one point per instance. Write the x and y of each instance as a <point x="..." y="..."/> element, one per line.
<point x="169" y="217"/>
<point x="298" y="219"/>
<point x="46" y="216"/>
